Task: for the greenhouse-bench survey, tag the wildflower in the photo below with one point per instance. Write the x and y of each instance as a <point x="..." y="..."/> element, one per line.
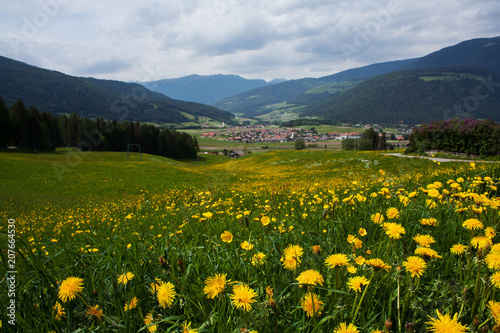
<point x="415" y="266"/>
<point x="493" y="260"/>
<point x="351" y="239"/>
<point x="392" y="213"/>
<point x="264" y="220"/>
<point x="355" y="283"/>
<point x="258" y="259"/>
<point x="59" y="311"/>
<point x="310" y="276"/>
<point x="495" y="310"/>
<point x="70" y="288"/>
<point x="424" y="240"/>
<point x="445" y="324"/>
<point x="360" y="260"/>
<point x="377" y="218"/>
<point x="490" y="232"/>
<point x="207" y="215"/>
<point x="311" y="304"/>
<point x="495" y="248"/>
<point x="495" y="279"/>
<point x="358" y="243"/>
<point x="243" y="296"/>
<point x="290" y="262"/>
<point x="316" y="248"/>
<point x="215" y="285"/>
<point x="431" y="221"/>
<point x="351" y="269"/>
<point x="246" y="246"/>
<point x="125" y="278"/>
<point x="433" y="193"/>
<point x="95" y="311"/>
<point x="362" y="232"/>
<point x="472" y="224"/>
<point x="337" y="260"/>
<point x="481" y="242"/>
<point x="269" y="291"/>
<point x="344" y="328"/>
<point x="394" y="230"/>
<point x="226" y="237"/>
<point x="186" y="328"/>
<point x="156" y="285"/>
<point x="132" y="304"/>
<point x="458" y="249"/>
<point x="148" y="321"/>
<point x="377" y="264"/>
<point x="427" y="252"/>
<point x="166" y="294"/>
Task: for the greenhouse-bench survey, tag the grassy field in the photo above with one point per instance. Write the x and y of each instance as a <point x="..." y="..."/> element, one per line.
<point x="280" y="241"/>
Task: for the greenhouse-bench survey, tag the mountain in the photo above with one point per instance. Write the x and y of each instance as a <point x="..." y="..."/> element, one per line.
<point x="203" y="89"/>
<point x="255" y="102"/>
<point x="58" y="93"/>
<point x="415" y="97"/>
<point x="480" y="52"/>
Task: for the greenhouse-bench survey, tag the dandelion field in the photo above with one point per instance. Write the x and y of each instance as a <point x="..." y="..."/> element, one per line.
<point x="288" y="241"/>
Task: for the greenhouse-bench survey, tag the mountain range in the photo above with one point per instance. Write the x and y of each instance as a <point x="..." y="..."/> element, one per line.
<point x="457" y="81"/>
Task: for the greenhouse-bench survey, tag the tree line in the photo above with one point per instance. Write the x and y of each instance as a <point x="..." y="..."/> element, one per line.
<point x="466" y="136"/>
<point x="28" y="129"/>
<point x="370" y="140"/>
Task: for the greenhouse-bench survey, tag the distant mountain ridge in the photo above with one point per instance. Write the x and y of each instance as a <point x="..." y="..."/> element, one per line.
<point x="59" y="93"/>
<point x="204" y="89"/>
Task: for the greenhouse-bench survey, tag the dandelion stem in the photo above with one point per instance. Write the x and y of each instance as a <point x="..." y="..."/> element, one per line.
<point x="476" y="290"/>
<point x="362" y="297"/>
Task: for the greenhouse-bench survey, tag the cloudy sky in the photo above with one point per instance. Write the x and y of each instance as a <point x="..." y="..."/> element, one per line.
<point x="146" y="40"/>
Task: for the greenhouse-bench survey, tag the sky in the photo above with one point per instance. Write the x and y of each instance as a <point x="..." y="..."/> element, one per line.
<point x="148" y="40"/>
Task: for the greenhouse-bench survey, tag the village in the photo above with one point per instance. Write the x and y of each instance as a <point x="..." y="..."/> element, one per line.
<point x="263" y="134"/>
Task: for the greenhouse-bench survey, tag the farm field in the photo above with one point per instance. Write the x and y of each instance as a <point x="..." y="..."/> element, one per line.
<point x="280" y="241"/>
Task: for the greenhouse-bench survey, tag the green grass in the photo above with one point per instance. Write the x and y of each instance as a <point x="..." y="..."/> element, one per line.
<point x="97" y="216"/>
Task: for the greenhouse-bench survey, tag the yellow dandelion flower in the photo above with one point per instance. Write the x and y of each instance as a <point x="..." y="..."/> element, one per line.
<point x="495" y="279"/>
<point x="493" y="260"/>
<point x="427" y="252"/>
<point x="166" y="294"/>
<point x="337" y="260"/>
<point x="472" y="224"/>
<point x="360" y="260"/>
<point x="186" y="328"/>
<point x="243" y="296"/>
<point x="58" y="311"/>
<point x="246" y="245"/>
<point x="458" y="249"/>
<point x="431" y="221"/>
<point x="290" y="262"/>
<point x="207" y="215"/>
<point x="310" y="276"/>
<point x="445" y="324"/>
<point x="215" y="285"/>
<point x="490" y="232"/>
<point x="311" y="304"/>
<point x="356" y="282"/>
<point x="378" y="264"/>
<point x="424" y="240"/>
<point x="265" y="220"/>
<point x="125" y="278"/>
<point x="70" y="288"/>
<point x="433" y="193"/>
<point x="294" y="250"/>
<point x="95" y="311"/>
<point x="226" y="237"/>
<point x="352" y="269"/>
<point x="316" y="248"/>
<point x="148" y="321"/>
<point x="392" y="213"/>
<point x="132" y="304"/>
<point x="481" y="242"/>
<point x="495" y="248"/>
<point x="394" y="230"/>
<point x="377" y="218"/>
<point x="344" y="328"/>
<point x="415" y="266"/>
<point x="495" y="310"/>
<point x="258" y="259"/>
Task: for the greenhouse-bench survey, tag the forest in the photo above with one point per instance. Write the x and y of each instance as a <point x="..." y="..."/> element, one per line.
<point x="29" y="129"/>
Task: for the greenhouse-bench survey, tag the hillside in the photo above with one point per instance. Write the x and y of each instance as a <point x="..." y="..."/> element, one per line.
<point x="59" y="93"/>
<point x="480" y="52"/>
<point x="414" y="97"/>
<point x="255" y="102"/>
<point x="204" y="89"/>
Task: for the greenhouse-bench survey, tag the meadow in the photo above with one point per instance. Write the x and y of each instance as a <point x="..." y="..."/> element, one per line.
<point x="280" y="241"/>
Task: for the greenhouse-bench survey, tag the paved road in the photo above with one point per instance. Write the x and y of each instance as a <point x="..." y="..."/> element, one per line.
<point x="438" y="159"/>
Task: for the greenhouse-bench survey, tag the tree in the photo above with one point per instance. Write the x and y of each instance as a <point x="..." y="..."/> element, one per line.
<point x="5" y="126"/>
<point x="299" y="144"/>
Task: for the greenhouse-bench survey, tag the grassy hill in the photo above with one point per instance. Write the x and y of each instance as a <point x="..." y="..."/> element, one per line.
<point x="58" y="93"/>
<point x="414" y="97"/>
